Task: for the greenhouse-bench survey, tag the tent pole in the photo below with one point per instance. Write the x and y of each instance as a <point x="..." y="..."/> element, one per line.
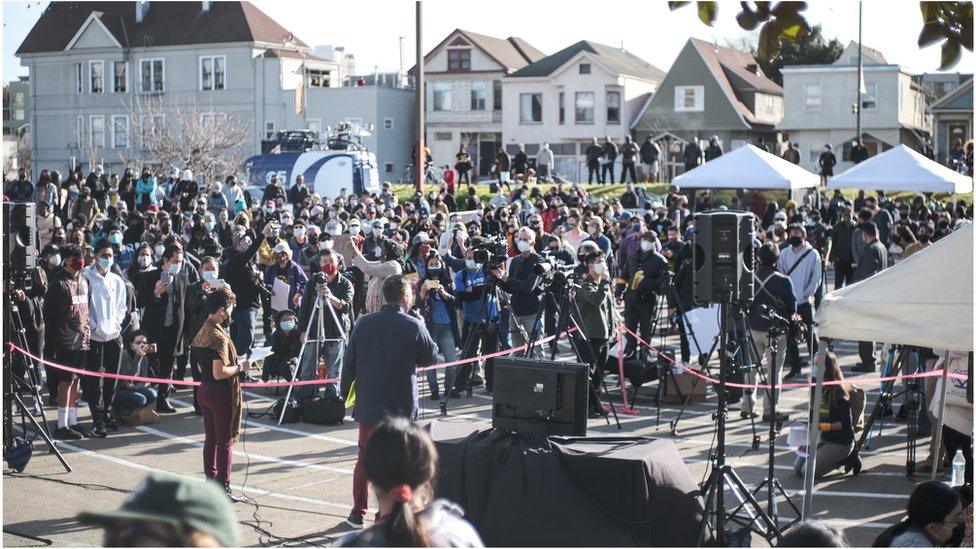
<point x="937" y="448"/>
<point x="813" y="433"/>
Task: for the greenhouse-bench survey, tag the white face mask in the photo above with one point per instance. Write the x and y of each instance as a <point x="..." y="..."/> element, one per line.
<point x="523" y="246"/>
<point x="145" y="261"/>
<point x="377" y="232"/>
<point x="646" y="245"/>
<point x="354" y="230"/>
<point x="54" y="260"/>
<point x="160" y="249"/>
<point x="470" y="264"/>
<point x="600" y="268"/>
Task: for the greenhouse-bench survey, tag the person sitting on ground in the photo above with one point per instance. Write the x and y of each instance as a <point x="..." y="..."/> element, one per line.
<point x="836" y="425"/>
<point x="934" y="519"/>
<point x="813" y="534"/>
<point x="133" y="395"/>
<point x="286" y="344"/>
<point x="400" y="461"/>
<point x="170" y="510"/>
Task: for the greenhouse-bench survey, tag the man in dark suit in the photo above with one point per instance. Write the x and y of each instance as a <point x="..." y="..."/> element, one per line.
<point x="384" y="351"/>
<point x="859" y="153"/>
<point x="874" y="259"/>
<point x="163" y="294"/>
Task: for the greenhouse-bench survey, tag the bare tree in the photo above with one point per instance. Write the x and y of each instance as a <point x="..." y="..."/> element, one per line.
<point x="209" y="143"/>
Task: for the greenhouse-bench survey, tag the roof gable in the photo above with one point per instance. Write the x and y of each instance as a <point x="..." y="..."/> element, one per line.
<point x="93" y="34"/>
<point x="959" y="99"/>
<point x="869" y="56"/>
<point x="165" y="24"/>
<point x="615" y="60"/>
<point x="725" y="62"/>
<point x="510" y="53"/>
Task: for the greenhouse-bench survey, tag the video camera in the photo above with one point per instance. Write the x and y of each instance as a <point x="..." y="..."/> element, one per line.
<point x="492" y="253"/>
<point x="552" y="270"/>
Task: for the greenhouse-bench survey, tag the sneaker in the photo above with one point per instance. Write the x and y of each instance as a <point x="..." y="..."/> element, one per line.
<point x="864" y="368"/>
<point x="164" y="407"/>
<point x="456" y="393"/>
<point x="748" y="415"/>
<point x="355" y="521"/>
<point x="791" y="374"/>
<point x="98" y="431"/>
<point x="230" y="494"/>
<point x="477" y="381"/>
<point x="64" y="433"/>
<point x="83" y="431"/>
<point x="434" y="395"/>
<point x="111" y="424"/>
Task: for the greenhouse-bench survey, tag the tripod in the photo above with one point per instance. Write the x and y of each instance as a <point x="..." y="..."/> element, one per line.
<point x="318" y="314"/>
<point x="476" y="334"/>
<point x="713" y="489"/>
<point x="14" y="385"/>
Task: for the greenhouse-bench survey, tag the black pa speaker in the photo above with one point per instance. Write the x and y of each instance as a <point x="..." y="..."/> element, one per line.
<point x="723" y="243"/>
<point x="19" y="240"/>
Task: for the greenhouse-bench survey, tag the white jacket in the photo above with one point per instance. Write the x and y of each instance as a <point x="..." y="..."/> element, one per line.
<point x="107" y="307"/>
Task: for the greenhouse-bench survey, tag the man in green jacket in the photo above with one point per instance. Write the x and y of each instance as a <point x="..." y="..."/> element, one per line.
<point x="597" y="315"/>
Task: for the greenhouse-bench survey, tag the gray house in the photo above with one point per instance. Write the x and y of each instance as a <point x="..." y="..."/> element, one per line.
<point x="90" y="62"/>
<point x="710" y="90"/>
<point x="952" y="119"/>
<point x="16" y="105"/>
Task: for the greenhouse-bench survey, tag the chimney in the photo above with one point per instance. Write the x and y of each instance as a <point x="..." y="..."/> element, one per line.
<point x="205" y="6"/>
<point x="142" y="8"/>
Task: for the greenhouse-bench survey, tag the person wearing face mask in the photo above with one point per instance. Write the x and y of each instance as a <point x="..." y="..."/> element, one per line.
<point x="185" y="190"/>
<point x="146" y="188"/>
<point x="245" y="281"/>
<point x="801" y="263"/>
<point x="298" y="238"/>
<point x="108" y="312"/>
<point x="337" y="291"/>
<point x="287" y="271"/>
<point x="197" y="293"/>
<point x="640" y="283"/>
<point x="220" y="389"/>
<point x="68" y="337"/>
<point x="374" y="238"/>
<point x="375" y="272"/>
<point x="435" y="302"/>
<point x="480" y="312"/>
<point x="299" y="191"/>
<point x="597" y="317"/>
<point x="385" y="375"/>
<point x="202" y="240"/>
<point x="143" y="262"/>
<point x="874" y="259"/>
<point x="272" y="191"/>
<point x="521" y="280"/>
<point x="286" y="344"/>
<point x="162" y="293"/>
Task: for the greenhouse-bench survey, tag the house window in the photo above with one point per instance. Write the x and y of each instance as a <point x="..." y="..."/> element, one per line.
<point x="813" y="97"/>
<point x="564" y="149"/>
<point x="80" y="131"/>
<point x="387" y="123"/>
<point x="496" y="94"/>
<point x="768" y="105"/>
<point x="151" y="75"/>
<point x="585" y="68"/>
<point x="613" y="107"/>
<point x="212" y="72"/>
<point x="869" y="99"/>
<point x="269" y="130"/>
<point x="479" y="96"/>
<point x="120" y="132"/>
<point x="96" y="75"/>
<point x="442" y="96"/>
<point x="530" y="108"/>
<point x="19" y="99"/>
<point x="19" y="114"/>
<point x="584" y="107"/>
<point x="388" y="167"/>
<point x="97" y="135"/>
<point x="562" y="107"/>
<point x="459" y="59"/>
<point x="442" y="136"/>
<point x="120" y="77"/>
<point x="80" y="73"/>
<point x="814" y="157"/>
<point x="689" y="98"/>
<point x="318" y="78"/>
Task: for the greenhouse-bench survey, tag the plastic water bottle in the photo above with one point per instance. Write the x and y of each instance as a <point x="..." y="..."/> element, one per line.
<point x="958" y="469"/>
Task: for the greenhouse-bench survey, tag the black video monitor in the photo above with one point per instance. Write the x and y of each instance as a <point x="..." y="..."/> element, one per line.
<point x="540" y="397"/>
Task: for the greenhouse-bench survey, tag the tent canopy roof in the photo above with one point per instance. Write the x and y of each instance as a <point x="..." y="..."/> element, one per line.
<point x="902" y="169"/>
<point x="925" y="300"/>
<point x="748" y="167"/>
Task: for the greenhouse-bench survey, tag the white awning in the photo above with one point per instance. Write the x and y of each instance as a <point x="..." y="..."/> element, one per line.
<point x="748" y="167"/>
<point x="902" y="169"/>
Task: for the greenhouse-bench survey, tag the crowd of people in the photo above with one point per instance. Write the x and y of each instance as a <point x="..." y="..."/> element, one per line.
<point x="157" y="274"/>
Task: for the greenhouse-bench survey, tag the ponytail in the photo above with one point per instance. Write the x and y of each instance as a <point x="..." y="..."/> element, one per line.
<point x="404" y="529"/>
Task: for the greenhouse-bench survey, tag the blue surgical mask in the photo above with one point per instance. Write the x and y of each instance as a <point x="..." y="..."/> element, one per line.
<point x="104" y="263"/>
<point x="287" y="325"/>
<point x="115" y="239"/>
<point x="209" y="275"/>
<point x="174" y="269"/>
<point x="210" y="225"/>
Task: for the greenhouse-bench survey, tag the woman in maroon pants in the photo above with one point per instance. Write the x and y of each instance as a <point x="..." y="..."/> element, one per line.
<point x="220" y="389"/>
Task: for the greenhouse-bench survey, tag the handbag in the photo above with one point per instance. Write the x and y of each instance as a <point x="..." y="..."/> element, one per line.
<point x="141" y="416"/>
<point x="329" y="410"/>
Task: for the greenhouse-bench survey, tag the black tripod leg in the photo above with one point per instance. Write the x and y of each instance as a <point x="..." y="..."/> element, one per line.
<point x="53" y="447"/>
<point x="772" y="530"/>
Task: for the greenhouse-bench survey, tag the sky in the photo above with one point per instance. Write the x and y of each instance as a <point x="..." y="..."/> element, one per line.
<point x="370" y="29"/>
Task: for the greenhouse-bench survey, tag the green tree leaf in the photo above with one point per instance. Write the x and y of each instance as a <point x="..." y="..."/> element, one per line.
<point x="675" y="5"/>
<point x="787" y="9"/>
<point x="769" y="44"/>
<point x="707" y="12"/>
<point x="748" y="20"/>
<point x="932" y="32"/>
<point x="793" y="28"/>
<point x="951" y="52"/>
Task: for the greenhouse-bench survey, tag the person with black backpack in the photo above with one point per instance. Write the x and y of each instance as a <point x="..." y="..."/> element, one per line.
<point x="802" y="264"/>
<point x="773" y="293"/>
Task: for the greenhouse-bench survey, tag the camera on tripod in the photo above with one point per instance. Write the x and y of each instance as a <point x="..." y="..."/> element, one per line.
<point x="491" y="253"/>
<point x="553" y="271"/>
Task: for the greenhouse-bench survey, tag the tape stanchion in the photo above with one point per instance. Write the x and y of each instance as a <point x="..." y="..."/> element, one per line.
<point x="628" y="409"/>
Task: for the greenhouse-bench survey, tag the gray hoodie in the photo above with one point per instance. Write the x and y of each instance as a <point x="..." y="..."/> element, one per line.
<point x="807" y="274"/>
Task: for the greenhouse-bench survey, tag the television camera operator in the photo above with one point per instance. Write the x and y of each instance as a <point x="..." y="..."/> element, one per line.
<point x="338" y="291"/>
<point x="479" y="306"/>
<point x="773" y="305"/>
<point x="522" y="280"/>
<point x="594" y="296"/>
<point x="562" y="259"/>
<point x="641" y="282"/>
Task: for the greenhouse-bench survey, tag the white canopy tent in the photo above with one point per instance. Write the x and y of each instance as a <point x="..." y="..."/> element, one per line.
<point x="902" y="169"/>
<point x="924" y="301"/>
<point x="748" y="167"/>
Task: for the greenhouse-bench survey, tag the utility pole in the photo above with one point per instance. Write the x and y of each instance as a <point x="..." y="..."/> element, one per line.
<point x="420" y="157"/>
<point x="860" y="68"/>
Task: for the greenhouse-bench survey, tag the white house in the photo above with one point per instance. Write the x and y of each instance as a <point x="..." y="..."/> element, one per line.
<point x="820" y="102"/>
<point x="463" y="78"/>
<point x="584" y="91"/>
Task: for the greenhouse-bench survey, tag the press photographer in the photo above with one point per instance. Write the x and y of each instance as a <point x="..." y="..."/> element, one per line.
<point x="521" y="280"/>
<point x="479" y="304"/>
<point x="336" y="291"/>
<point x="774" y="293"/>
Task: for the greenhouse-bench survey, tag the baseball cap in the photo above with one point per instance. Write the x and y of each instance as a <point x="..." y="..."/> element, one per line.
<point x="152" y="208"/>
<point x="421" y="237"/>
<point x="354" y="222"/>
<point x="176" y="500"/>
<point x="625" y="216"/>
<point x="781" y="215"/>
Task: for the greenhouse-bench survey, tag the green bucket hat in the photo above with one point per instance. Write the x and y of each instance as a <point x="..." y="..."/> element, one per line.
<point x="177" y="500"/>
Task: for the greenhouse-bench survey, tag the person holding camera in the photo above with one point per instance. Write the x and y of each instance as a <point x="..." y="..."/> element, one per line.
<point x="245" y="282"/>
<point x="640" y="283"/>
<point x="522" y="281"/>
<point x="130" y="396"/>
<point x="436" y="303"/>
<point x="773" y="294"/>
<point x="480" y="312"/>
<point x="801" y="263"/>
<point x="595" y="300"/>
<point x="335" y="290"/>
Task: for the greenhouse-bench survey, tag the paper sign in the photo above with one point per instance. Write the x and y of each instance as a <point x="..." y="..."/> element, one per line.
<point x="279" y="296"/>
<point x="704" y="324"/>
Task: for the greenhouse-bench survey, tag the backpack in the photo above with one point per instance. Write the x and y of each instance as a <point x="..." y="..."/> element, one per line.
<point x="858" y="402"/>
<point x="330" y="410"/>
